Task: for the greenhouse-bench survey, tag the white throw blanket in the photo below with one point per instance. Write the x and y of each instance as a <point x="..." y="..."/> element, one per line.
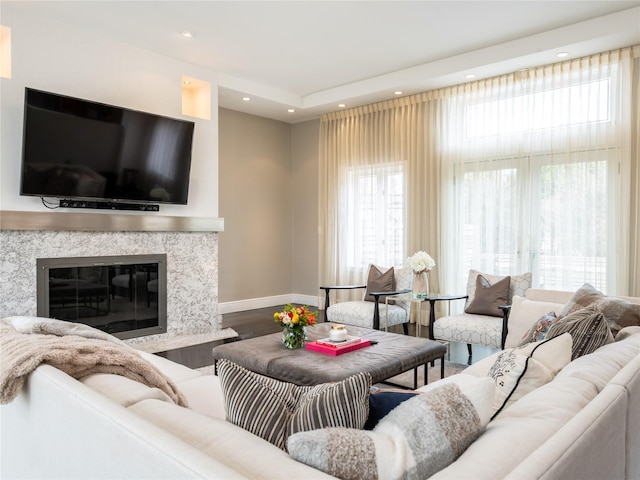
<point x="76" y="349"/>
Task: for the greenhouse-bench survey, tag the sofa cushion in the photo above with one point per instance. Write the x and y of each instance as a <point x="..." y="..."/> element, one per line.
<point x="518" y="371"/>
<point x="415" y="440"/>
<point x="250" y="456"/>
<point x="378" y="280"/>
<point x="204" y="395"/>
<point x="123" y="390"/>
<point x="489" y="297"/>
<point x="524" y="313"/>
<point x="599" y="367"/>
<point x="273" y="410"/>
<point x="587" y="327"/>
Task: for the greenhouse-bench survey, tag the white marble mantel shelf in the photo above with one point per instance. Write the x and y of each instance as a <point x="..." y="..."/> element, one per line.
<point x="106" y="222"/>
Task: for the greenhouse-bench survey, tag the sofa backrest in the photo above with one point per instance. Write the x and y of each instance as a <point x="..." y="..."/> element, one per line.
<point x="560" y="296"/>
<point x="49" y="431"/>
<point x="584" y="424"/>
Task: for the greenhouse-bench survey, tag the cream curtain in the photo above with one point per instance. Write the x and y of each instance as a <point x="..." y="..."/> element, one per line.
<point x="533" y="171"/>
<point x="365" y="154"/>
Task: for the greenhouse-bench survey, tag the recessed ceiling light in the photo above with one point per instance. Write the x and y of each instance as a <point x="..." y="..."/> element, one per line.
<point x="291" y="110"/>
<point x="187" y="82"/>
<point x="562" y="54"/>
<point x="188" y="33"/>
<point x="341" y="105"/>
<point x="246" y="99"/>
<point x="469" y="76"/>
<point x="397" y="92"/>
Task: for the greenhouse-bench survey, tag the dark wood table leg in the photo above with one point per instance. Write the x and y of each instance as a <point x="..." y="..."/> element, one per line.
<point x="432" y="317"/>
<point x="442" y="366"/>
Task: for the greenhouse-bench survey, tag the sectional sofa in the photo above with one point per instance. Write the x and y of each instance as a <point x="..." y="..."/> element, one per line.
<point x="584" y="422"/>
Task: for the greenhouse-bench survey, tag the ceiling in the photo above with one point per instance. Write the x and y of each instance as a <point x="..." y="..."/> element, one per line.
<point x="311" y="56"/>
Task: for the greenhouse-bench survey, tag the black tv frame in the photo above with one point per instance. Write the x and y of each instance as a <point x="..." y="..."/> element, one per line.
<point x="114" y="197"/>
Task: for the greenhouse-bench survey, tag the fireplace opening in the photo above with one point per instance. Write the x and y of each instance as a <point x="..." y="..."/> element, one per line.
<point x="122" y="295"/>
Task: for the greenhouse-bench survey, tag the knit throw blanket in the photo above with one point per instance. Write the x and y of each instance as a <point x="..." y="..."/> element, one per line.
<point x="78" y="350"/>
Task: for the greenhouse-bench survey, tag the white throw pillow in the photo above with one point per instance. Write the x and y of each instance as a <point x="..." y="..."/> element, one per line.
<point x="518" y="371"/>
<point x="523" y="314"/>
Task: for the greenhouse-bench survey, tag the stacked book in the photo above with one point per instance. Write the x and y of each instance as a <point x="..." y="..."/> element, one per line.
<point x="329" y="347"/>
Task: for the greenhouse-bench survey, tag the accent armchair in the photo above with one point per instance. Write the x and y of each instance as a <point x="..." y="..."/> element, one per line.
<point x="366" y="312"/>
<point x="486" y="313"/>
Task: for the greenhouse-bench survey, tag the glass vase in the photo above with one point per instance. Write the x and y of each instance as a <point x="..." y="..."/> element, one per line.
<point x="420" y="287"/>
<point x="294" y="336"/>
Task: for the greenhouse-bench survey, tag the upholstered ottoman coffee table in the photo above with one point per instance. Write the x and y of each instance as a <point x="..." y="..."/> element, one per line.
<point x="390" y="354"/>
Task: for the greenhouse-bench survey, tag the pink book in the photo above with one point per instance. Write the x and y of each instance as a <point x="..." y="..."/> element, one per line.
<point x="330" y="350"/>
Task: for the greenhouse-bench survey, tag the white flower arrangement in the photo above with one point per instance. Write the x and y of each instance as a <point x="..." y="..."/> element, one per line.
<point x="421" y="261"/>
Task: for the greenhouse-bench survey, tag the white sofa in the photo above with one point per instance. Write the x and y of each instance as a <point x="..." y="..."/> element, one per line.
<point x="584" y="424"/>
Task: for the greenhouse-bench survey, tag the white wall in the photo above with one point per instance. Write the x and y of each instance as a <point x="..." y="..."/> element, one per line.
<point x="52" y="57"/>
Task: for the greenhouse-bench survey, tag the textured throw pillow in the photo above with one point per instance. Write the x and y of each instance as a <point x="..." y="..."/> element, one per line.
<point x="418" y="438"/>
<point x="273" y="410"/>
<point x="539" y="329"/>
<point x="584" y="296"/>
<point x="587" y="327"/>
<point x="378" y="281"/>
<point x="488" y="298"/>
<point x="619" y="313"/>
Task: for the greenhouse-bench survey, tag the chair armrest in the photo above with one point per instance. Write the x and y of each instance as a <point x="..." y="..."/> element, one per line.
<point x="376" y="306"/>
<point x="337" y="287"/>
<point x="506" y="310"/>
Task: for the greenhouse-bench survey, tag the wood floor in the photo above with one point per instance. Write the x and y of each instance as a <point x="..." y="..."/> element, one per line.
<point x="254" y="323"/>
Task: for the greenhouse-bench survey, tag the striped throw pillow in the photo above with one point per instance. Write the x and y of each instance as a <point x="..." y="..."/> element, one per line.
<point x="588" y="328"/>
<point x="273" y="410"/>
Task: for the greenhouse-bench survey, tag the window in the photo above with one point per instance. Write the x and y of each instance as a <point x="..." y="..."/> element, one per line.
<point x="535" y="178"/>
<point x="376" y="215"/>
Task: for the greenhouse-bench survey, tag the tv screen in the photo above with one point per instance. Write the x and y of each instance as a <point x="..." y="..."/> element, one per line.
<point x="78" y="149"/>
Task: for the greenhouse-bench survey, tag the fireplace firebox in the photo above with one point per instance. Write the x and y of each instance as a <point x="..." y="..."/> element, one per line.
<point x="122" y="295"/>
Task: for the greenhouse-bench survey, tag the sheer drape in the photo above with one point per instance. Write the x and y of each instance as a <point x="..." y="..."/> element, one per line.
<point x="540" y="161"/>
<point x="533" y="171"/>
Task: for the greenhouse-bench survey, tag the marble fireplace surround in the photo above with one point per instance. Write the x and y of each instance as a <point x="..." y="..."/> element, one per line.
<point x="191" y="246"/>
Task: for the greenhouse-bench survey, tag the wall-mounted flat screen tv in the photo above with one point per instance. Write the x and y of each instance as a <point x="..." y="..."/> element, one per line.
<point x="79" y="149"/>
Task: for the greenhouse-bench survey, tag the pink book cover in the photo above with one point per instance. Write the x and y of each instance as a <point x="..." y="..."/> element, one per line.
<point x="317" y="347"/>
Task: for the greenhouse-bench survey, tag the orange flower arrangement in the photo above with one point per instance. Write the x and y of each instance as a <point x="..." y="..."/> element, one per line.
<point x="295" y="316"/>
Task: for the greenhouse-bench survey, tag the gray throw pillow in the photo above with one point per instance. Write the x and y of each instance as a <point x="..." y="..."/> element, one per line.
<point x="584" y="296"/>
<point x="488" y="298"/>
<point x="418" y="438"/>
<point x="619" y="313"/>
<point x="379" y="282"/>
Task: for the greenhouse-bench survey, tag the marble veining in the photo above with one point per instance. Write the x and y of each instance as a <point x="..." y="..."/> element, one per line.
<point x="192" y="271"/>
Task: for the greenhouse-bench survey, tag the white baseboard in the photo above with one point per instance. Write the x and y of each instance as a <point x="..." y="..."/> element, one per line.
<point x="266" y="302"/>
